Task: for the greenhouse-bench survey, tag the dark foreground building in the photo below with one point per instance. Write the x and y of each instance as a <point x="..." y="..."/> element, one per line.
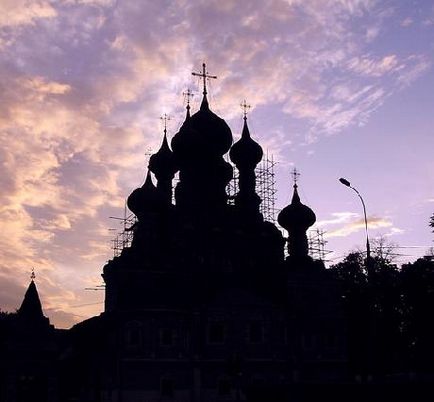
<point x="203" y="306"/>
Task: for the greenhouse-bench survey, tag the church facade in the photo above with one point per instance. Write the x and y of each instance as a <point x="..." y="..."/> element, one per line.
<point x="204" y="305"/>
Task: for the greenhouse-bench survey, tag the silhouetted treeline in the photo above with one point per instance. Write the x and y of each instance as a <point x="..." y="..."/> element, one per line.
<point x="389" y="314"/>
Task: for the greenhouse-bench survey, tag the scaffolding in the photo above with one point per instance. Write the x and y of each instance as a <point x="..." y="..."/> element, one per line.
<point x="265" y="187"/>
<point x="123" y="236"/>
<point x="317" y="250"/>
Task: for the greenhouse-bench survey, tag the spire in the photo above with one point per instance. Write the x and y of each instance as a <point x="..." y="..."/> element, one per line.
<point x="204" y="105"/>
<point x="245" y="133"/>
<point x="295" y="197"/>
<point x="31" y="307"/>
<point x="148" y="185"/>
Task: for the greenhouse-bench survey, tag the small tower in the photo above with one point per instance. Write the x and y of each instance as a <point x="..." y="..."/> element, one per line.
<point x="296" y="218"/>
<point x="246" y="154"/>
<point x="31" y="307"/>
<point x="162" y="164"/>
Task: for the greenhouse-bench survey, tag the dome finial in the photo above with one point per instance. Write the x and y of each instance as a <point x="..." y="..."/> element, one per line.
<point x="165" y="118"/>
<point x="204" y="75"/>
<point x="33" y="275"/>
<point x="187" y="95"/>
<point x="245" y="108"/>
<point x="295" y="175"/>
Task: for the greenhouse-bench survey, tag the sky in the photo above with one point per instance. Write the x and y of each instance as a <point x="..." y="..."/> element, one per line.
<point x="338" y="88"/>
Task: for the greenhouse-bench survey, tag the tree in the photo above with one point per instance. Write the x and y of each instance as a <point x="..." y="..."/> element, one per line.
<point x="374" y="312"/>
<point x="431" y="222"/>
<point x="383" y="249"/>
<point x="418" y="299"/>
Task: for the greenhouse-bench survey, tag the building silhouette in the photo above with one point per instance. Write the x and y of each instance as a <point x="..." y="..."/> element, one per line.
<point x="204" y="305"/>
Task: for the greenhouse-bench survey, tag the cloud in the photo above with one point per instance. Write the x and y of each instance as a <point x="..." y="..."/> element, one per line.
<point x="345" y="223"/>
<point x="406" y="22"/>
<point x="39" y="84"/>
<point x="352" y="226"/>
<point x="338" y="218"/>
<point x="371" y="67"/>
<point x="24" y="12"/>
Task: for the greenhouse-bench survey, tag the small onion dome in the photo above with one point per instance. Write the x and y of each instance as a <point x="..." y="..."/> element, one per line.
<point x="163" y="163"/>
<point x="202" y="134"/>
<point x="296" y="215"/>
<point x="246" y="152"/>
<point x="144" y="198"/>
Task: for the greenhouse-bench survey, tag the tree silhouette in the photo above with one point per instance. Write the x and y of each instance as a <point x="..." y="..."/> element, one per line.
<point x="388" y="314"/>
<point x="374" y="311"/>
<point x="418" y="298"/>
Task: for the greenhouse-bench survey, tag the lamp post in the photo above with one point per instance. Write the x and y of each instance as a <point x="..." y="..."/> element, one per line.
<point x="369" y="339"/>
<point x="368" y="248"/>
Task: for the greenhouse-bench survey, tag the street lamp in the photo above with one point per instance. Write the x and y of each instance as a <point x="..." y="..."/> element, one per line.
<point x="368" y="248"/>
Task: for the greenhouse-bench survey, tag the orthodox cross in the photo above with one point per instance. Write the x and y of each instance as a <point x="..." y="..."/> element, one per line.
<point x="188" y="94"/>
<point x="33" y="275"/>
<point x="165" y="118"/>
<point x="245" y="108"/>
<point x="295" y="175"/>
<point x="204" y="75"/>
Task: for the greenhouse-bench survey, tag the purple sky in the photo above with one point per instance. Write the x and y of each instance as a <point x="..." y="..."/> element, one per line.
<point x="337" y="88"/>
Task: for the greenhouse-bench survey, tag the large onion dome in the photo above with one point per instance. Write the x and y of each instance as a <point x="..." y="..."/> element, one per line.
<point x="246" y="152"/>
<point x="144" y="199"/>
<point x="203" y="134"/>
<point x="162" y="163"/>
<point x="296" y="216"/>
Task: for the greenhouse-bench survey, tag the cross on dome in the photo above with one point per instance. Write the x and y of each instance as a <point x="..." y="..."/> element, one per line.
<point x="204" y="75"/>
<point x="295" y="175"/>
<point x="245" y="108"/>
<point x="188" y="94"/>
<point x="165" y="118"/>
<point x="33" y="275"/>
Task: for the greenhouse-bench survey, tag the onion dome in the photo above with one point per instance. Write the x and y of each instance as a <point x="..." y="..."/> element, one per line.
<point x="246" y="152"/>
<point x="162" y="163"/>
<point x="203" y="134"/>
<point x="296" y="216"/>
<point x="143" y="199"/>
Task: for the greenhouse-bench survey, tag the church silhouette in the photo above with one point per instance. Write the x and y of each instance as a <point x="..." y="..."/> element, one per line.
<point x="204" y="305"/>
